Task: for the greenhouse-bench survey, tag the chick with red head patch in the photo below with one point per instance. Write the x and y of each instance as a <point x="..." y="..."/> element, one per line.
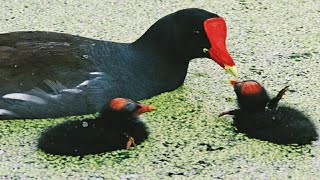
<point x="117" y="127"/>
<point x="260" y="117"/>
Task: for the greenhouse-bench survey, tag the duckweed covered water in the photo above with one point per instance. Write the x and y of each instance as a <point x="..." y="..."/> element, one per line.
<point x="274" y="42"/>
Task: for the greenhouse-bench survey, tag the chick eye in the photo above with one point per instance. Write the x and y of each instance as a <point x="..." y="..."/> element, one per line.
<point x="196" y="32"/>
<point x="130" y="106"/>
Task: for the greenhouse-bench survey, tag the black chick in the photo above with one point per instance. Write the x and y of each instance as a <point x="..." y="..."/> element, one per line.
<point x="117" y="127"/>
<point x="259" y="117"/>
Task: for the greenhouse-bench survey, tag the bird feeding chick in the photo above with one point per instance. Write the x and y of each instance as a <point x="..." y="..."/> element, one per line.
<point x="260" y="117"/>
<point x="117" y="127"/>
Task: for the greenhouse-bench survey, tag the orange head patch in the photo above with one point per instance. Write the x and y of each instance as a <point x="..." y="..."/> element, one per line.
<point x="118" y="103"/>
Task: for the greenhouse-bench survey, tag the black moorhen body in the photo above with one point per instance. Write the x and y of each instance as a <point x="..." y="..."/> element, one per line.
<point x="117" y="127"/>
<point x="43" y="74"/>
<point x="259" y="117"/>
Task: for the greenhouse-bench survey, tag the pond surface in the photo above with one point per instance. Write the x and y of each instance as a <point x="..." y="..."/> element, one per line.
<point x="274" y="42"/>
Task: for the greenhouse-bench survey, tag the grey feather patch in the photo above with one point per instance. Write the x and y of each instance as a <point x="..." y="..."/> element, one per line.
<point x="55" y="86"/>
<point x="25" y="97"/>
<point x="84" y="83"/>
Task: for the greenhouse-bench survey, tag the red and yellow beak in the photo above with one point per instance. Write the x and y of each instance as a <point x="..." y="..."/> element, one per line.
<point x="216" y="30"/>
<point x="145" y="108"/>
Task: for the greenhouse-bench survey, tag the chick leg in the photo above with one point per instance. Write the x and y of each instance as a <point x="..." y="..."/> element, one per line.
<point x="232" y="112"/>
<point x="130" y="141"/>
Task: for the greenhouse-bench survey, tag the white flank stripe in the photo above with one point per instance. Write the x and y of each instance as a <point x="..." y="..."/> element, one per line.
<point x="97" y="73"/>
<point x="24" y="97"/>
<point x="6" y="112"/>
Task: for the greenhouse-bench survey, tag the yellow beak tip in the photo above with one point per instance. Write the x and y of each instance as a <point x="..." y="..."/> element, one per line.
<point x="152" y="108"/>
<point x="231" y="70"/>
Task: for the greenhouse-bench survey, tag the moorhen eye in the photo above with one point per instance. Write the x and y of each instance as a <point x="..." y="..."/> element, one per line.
<point x="196" y="32"/>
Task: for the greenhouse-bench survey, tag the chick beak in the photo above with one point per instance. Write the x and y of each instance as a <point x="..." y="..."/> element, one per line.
<point x="233" y="82"/>
<point x="145" y="108"/>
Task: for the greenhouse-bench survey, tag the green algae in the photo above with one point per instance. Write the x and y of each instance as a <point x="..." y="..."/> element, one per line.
<point x="185" y="141"/>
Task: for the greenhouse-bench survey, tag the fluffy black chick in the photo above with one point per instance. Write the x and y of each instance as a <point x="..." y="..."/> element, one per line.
<point x="260" y="117"/>
<point x="117" y="127"/>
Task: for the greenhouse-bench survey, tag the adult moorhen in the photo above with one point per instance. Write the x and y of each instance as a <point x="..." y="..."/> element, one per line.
<point x="47" y="74"/>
